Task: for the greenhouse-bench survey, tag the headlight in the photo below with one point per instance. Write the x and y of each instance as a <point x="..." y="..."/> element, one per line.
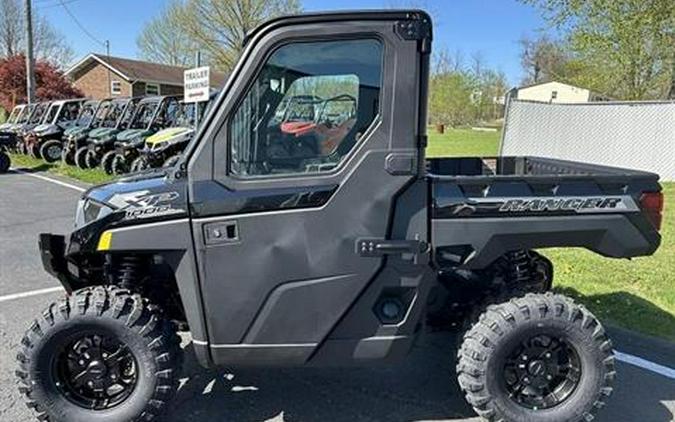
<point x="88" y="211"/>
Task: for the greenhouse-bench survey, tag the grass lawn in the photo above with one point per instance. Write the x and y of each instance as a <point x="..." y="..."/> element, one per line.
<point x="637" y="294"/>
<point x="94" y="176"/>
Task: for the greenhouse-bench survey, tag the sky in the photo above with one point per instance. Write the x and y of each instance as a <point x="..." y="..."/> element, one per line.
<point x="490" y="28"/>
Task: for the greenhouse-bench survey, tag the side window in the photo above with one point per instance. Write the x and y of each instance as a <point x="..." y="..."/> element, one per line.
<point x="307" y="108"/>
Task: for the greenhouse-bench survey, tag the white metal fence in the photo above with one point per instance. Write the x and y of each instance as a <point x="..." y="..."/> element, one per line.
<point x="636" y="135"/>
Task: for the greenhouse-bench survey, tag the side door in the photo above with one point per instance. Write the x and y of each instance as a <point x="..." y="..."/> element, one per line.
<point x="295" y="183"/>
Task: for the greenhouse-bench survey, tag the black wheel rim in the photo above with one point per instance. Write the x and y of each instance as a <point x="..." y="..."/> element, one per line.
<point x="96" y="372"/>
<point x="542" y="372"/>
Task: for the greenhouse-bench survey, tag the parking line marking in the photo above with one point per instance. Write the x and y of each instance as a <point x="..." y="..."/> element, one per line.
<point x="31" y="293"/>
<point x="645" y="364"/>
<point x="49" y="179"/>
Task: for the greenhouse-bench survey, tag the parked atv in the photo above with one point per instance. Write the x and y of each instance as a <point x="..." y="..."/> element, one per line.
<point x="164" y="148"/>
<point x="37" y="117"/>
<point x="74" y="137"/>
<point x="18" y="115"/>
<point x="44" y="140"/>
<point x="152" y="115"/>
<point x="338" y="259"/>
<point x="101" y="140"/>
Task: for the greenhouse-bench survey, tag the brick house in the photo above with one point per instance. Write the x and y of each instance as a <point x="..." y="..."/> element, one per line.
<point x="99" y="76"/>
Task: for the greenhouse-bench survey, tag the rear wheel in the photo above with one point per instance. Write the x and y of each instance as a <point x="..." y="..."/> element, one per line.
<point x="68" y="156"/>
<point x="119" y="165"/>
<point x="139" y="164"/>
<point x="5" y="162"/>
<point x="91" y="159"/>
<point x="171" y="161"/>
<point x="102" y="354"/>
<point x="51" y="151"/>
<point x="540" y="358"/>
<point x="80" y="157"/>
<point x="106" y="162"/>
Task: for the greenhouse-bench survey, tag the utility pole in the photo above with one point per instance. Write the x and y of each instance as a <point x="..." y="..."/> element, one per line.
<point x="30" y="68"/>
<point x="107" y="53"/>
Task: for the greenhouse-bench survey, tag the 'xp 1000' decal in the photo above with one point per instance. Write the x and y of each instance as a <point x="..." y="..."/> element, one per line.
<point x="144" y="204"/>
<point x="474" y="207"/>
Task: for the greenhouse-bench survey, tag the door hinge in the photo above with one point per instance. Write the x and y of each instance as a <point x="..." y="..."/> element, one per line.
<point x="417" y="27"/>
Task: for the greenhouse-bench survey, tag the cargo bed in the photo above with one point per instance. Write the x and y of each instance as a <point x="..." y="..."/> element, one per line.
<point x="483" y="207"/>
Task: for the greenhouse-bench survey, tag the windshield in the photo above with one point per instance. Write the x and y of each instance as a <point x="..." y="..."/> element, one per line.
<point x="23" y="118"/>
<point x="144" y="114"/>
<point x="114" y="113"/>
<point x="15" y="114"/>
<point x="38" y="113"/>
<point x="128" y="114"/>
<point x="185" y="115"/>
<point x="87" y="113"/>
<point x="101" y="113"/>
<point x="52" y="112"/>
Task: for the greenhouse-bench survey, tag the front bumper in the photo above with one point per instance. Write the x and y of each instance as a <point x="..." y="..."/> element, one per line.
<point x="53" y="254"/>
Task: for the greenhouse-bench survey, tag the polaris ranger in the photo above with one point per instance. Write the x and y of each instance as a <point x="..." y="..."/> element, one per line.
<point x="152" y="114"/>
<point x="74" y="136"/>
<point x="37" y="117"/>
<point x="164" y="148"/>
<point x="337" y="257"/>
<point x="101" y="140"/>
<point x="7" y="129"/>
<point x="44" y="141"/>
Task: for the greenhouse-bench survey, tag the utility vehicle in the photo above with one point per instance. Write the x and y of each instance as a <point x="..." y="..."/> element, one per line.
<point x="152" y="115"/>
<point x="7" y="129"/>
<point x="101" y="140"/>
<point x="164" y="148"/>
<point x="75" y="136"/>
<point x="37" y="117"/>
<point x="338" y="257"/>
<point x="44" y="140"/>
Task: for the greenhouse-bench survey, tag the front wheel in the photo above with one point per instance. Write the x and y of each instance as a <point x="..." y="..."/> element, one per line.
<point x="540" y="358"/>
<point x="102" y="354"/>
<point x="51" y="151"/>
<point x="119" y="165"/>
<point x="5" y="162"/>
<point x="92" y="159"/>
<point x="68" y="156"/>
<point x="106" y="162"/>
<point x="81" y="157"/>
<point x="139" y="164"/>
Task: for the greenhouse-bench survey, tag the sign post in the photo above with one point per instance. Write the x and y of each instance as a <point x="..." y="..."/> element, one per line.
<point x="197" y="87"/>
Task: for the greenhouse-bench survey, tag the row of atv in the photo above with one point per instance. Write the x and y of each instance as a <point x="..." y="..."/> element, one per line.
<point x="119" y="135"/>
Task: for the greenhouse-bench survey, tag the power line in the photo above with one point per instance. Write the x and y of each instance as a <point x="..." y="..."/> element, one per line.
<point x="82" y="28"/>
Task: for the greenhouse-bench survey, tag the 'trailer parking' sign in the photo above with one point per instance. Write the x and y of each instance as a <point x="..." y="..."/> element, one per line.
<point x="197" y="84"/>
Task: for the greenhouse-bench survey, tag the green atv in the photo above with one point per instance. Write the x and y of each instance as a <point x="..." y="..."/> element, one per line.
<point x="101" y="140"/>
<point x="164" y="148"/>
<point x="74" y="136"/>
<point x="152" y="115"/>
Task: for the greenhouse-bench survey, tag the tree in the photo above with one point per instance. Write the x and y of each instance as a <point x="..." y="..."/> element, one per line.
<point x="625" y="47"/>
<point x="543" y="59"/>
<point x="50" y="82"/>
<point x="219" y="27"/>
<point x="48" y="43"/>
<point x="161" y="41"/>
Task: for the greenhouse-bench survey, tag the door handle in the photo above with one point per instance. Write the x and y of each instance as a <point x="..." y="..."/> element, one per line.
<point x="221" y="232"/>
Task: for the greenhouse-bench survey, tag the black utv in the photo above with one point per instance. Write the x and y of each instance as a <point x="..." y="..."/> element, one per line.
<point x="75" y="136"/>
<point x="44" y="140"/>
<point x="341" y="253"/>
<point x="152" y="115"/>
<point x="100" y="141"/>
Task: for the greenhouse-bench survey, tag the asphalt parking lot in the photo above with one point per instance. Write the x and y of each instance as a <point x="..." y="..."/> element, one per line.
<point x="420" y="389"/>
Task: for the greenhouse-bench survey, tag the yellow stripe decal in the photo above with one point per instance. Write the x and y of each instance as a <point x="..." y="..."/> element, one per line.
<point x="104" y="241"/>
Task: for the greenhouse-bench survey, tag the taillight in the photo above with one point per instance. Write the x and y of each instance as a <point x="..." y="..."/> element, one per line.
<point x="652" y="206"/>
